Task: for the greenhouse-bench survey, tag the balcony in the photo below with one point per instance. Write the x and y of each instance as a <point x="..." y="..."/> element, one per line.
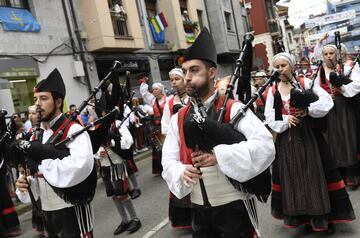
<point x="109" y="28"/>
<point x="119" y="25"/>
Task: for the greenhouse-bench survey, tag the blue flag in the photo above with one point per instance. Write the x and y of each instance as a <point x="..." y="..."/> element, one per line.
<point x="16" y="19"/>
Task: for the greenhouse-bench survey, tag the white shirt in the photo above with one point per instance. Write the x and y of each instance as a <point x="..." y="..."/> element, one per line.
<point x="165" y="119"/>
<point x="149" y="99"/>
<point x="63" y="173"/>
<point x="348" y="90"/>
<point x="240" y="161"/>
<point x="316" y="109"/>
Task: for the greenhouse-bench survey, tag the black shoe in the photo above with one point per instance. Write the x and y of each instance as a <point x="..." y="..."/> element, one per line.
<point x="331" y="229"/>
<point x="307" y="230"/>
<point x="135" y="193"/>
<point x="134" y="225"/>
<point x="121" y="228"/>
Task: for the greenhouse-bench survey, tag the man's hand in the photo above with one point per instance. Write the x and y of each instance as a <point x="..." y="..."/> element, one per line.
<point x="191" y="175"/>
<point x="22" y="184"/>
<point x="203" y="159"/>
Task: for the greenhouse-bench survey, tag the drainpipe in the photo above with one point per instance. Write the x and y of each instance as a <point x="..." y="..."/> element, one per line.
<point x="68" y="27"/>
<point x="236" y="30"/>
<point x="82" y="51"/>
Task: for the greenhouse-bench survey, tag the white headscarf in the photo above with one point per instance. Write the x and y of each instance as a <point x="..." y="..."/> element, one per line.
<point x="159" y="86"/>
<point x="286" y="56"/>
<point x="332" y="47"/>
<point x="176" y="71"/>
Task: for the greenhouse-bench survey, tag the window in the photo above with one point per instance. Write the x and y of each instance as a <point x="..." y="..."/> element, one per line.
<point x="246" y="24"/>
<point x="22" y="94"/>
<point x="228" y="21"/>
<point x="15" y="3"/>
<point x="290" y="38"/>
<point x="270" y="9"/>
<point x="200" y="17"/>
<point x="183" y="6"/>
<point x="150" y="8"/>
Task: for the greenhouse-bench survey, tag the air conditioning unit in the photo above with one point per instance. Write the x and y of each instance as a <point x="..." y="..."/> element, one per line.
<point x="78" y="69"/>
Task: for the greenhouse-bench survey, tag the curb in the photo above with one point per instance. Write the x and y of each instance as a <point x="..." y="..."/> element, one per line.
<point x="22" y="208"/>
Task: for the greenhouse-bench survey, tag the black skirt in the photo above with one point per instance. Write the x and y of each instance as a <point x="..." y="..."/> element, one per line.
<point x="342" y="139"/>
<point x="307" y="187"/>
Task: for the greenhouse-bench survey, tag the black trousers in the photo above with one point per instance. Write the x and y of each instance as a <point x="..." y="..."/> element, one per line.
<point x="227" y="221"/>
<point x="62" y="223"/>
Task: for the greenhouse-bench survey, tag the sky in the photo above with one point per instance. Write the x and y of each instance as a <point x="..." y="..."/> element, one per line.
<point x="299" y="10"/>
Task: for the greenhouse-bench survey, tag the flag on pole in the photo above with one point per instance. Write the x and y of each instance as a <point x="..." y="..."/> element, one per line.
<point x="159" y="38"/>
<point x="159" y="22"/>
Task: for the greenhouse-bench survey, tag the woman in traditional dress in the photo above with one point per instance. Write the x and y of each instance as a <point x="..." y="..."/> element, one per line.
<point x="157" y="99"/>
<point x="307" y="188"/>
<point x="341" y="121"/>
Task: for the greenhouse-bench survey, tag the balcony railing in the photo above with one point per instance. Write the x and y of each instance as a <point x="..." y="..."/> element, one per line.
<point x="119" y="25"/>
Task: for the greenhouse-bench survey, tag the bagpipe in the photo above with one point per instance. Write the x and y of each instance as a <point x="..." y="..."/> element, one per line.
<point x="338" y="77"/>
<point x="55" y="147"/>
<point x="301" y="98"/>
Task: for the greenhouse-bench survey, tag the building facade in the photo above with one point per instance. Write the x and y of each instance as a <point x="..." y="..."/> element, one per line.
<point x="114" y="35"/>
<point x="45" y="39"/>
<point x="273" y="33"/>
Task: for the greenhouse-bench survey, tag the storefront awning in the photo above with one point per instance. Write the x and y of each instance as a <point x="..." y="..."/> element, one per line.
<point x="16" y="19"/>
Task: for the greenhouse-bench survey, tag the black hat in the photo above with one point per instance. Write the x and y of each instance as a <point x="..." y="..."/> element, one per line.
<point x="203" y="48"/>
<point x="53" y="83"/>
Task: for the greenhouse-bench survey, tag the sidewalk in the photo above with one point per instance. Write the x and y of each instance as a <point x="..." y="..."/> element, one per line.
<point x="21" y="208"/>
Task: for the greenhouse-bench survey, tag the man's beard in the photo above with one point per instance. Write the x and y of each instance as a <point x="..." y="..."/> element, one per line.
<point x="50" y="115"/>
<point x="200" y="90"/>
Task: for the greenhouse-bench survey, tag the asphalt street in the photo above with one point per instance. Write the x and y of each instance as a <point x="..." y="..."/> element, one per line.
<point x="152" y="208"/>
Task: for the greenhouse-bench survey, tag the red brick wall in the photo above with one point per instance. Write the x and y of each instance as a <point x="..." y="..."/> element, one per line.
<point x="258" y="16"/>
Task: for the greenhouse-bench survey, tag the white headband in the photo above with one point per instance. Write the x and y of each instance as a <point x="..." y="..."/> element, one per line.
<point x="159" y="86"/>
<point x="286" y="56"/>
<point x="332" y="47"/>
<point x="176" y="71"/>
